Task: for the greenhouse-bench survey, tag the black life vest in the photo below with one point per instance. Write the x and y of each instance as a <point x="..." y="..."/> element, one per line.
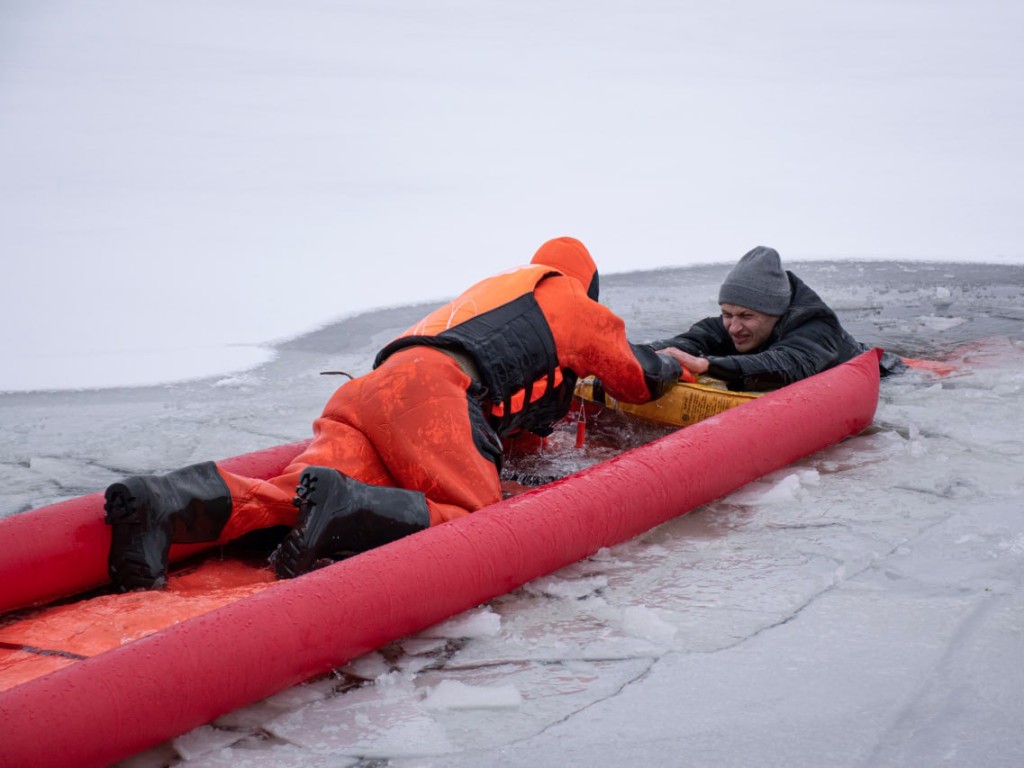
<point x="500" y="325"/>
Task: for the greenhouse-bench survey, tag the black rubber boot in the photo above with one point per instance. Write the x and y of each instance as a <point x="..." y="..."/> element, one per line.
<point x="148" y="514"/>
<point x="339" y="517"/>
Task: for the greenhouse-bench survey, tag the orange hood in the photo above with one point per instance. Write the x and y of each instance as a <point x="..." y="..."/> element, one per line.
<point x="570" y="257"/>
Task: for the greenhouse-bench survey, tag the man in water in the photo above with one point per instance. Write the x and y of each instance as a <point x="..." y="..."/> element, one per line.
<point x="773" y="330"/>
<point x="415" y="442"/>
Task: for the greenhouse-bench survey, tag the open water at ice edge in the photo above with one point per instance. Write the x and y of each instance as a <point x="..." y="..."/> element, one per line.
<point x="861" y="607"/>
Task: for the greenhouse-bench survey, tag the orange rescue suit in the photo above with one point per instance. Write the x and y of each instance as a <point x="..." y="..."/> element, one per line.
<point x="502" y="357"/>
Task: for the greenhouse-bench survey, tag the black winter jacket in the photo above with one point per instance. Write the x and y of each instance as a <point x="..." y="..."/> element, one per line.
<point x="807" y="339"/>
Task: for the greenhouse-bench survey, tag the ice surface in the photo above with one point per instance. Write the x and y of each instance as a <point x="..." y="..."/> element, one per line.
<point x="860" y="607"/>
<point x="451" y="694"/>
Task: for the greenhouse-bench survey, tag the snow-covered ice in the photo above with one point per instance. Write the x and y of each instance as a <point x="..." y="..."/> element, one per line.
<point x="184" y="184"/>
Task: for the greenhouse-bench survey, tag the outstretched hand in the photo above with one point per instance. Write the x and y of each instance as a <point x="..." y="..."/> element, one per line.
<point x="691" y="363"/>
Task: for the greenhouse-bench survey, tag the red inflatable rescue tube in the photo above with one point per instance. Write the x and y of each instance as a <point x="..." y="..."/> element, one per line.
<point x="122" y="702"/>
<point x="61" y="549"/>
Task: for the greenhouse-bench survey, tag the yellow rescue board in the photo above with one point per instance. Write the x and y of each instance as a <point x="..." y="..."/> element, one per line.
<point x="685" y="404"/>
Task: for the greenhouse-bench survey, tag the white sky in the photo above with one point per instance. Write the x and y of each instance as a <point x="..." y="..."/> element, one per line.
<point x="181" y="181"/>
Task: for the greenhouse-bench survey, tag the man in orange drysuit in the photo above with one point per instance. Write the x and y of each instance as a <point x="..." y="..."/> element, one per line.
<point x="415" y="442"/>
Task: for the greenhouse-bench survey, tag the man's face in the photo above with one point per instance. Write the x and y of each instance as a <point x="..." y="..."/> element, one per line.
<point x="748" y="328"/>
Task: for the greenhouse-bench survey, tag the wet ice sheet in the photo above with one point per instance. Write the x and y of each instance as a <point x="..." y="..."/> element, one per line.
<point x="860" y="607"/>
<point x="892" y="666"/>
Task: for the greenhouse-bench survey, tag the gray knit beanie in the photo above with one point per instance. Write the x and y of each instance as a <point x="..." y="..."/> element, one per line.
<point x="758" y="282"/>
